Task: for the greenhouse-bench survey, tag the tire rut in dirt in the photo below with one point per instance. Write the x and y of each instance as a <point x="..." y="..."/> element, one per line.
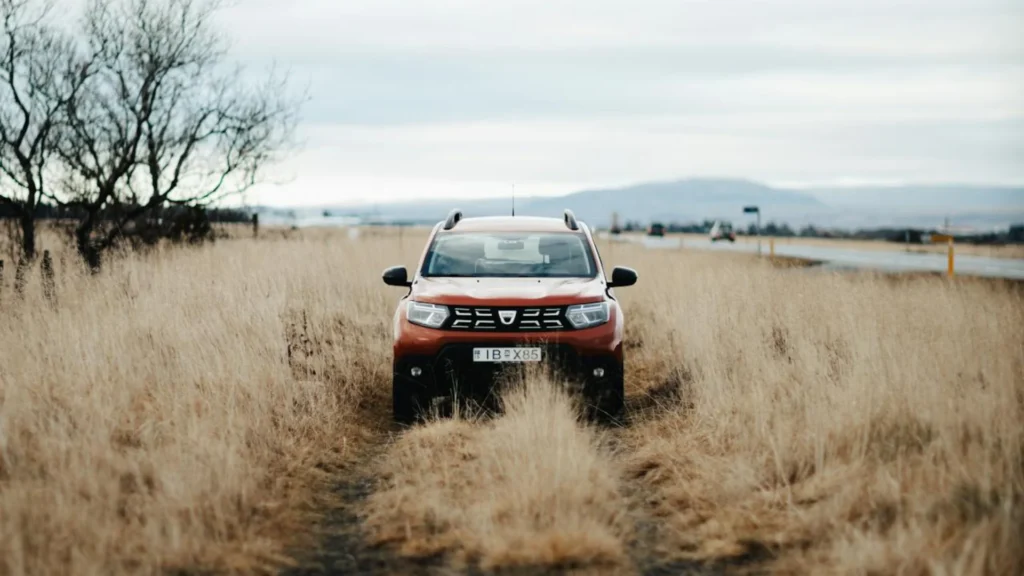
<point x="651" y="549"/>
<point x="345" y="547"/>
<point x="646" y="547"/>
<point x="344" y="550"/>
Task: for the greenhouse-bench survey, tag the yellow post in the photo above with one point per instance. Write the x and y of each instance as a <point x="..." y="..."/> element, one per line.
<point x="949" y="272"/>
<point x="771" y="247"/>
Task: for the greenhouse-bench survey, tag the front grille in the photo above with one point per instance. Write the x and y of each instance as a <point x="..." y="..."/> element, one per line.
<point x="508" y="319"/>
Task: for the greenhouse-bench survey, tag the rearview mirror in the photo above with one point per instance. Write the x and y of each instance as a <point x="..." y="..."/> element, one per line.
<point x="397" y="276"/>
<point x="622" y="276"/>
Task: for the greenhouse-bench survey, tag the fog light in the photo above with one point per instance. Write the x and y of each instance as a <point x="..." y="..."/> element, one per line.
<point x="416" y="371"/>
<point x="599" y="372"/>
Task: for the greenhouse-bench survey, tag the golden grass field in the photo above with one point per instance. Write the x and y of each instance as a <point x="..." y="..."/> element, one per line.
<point x="196" y="409"/>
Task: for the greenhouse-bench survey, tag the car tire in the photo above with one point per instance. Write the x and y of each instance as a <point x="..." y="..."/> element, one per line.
<point x="406" y="404"/>
<point x="608" y="404"/>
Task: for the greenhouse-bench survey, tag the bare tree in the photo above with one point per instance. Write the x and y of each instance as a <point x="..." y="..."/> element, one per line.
<point x="41" y="72"/>
<point x="164" y="121"/>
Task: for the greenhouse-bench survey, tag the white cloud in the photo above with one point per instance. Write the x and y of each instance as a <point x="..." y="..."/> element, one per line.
<point x="929" y="26"/>
<point x="461" y="97"/>
<point x="374" y="164"/>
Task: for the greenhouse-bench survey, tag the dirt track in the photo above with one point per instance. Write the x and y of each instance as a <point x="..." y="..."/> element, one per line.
<point x="345" y="544"/>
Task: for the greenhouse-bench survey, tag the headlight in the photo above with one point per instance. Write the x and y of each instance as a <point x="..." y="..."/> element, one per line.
<point x="587" y="315"/>
<point x="429" y="315"/>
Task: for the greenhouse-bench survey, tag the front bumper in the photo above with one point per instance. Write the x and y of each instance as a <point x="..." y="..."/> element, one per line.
<point x="452" y="371"/>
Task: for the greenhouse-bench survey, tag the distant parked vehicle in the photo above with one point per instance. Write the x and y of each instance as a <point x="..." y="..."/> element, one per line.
<point x="656" y="229"/>
<point x="722" y="231"/>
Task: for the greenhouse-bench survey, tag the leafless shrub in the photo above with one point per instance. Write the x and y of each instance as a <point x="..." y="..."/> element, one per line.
<point x="21" y="277"/>
<point x="165" y="120"/>
<point x="49" y="278"/>
<point x="137" y="120"/>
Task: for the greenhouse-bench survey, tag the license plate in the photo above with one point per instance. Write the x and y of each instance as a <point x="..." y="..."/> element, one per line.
<point x="507" y="354"/>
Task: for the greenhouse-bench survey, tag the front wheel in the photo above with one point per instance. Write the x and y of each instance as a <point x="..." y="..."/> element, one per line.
<point x="607" y="400"/>
<point x="406" y="401"/>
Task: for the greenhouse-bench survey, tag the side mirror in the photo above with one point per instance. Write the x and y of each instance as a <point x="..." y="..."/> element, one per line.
<point x="622" y="276"/>
<point x="397" y="276"/>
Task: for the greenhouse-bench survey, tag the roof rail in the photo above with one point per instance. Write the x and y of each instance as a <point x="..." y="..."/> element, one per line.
<point x="570" y="220"/>
<point x="453" y="218"/>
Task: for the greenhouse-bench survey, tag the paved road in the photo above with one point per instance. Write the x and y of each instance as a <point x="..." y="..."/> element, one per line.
<point x="839" y="258"/>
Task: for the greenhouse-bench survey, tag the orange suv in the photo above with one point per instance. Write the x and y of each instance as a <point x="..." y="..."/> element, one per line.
<point x="495" y="293"/>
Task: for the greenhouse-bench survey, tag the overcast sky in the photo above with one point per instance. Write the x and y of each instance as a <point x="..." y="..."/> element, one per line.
<point x="413" y="99"/>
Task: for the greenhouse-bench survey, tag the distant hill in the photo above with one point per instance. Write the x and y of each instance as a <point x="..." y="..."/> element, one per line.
<point x="936" y="197"/>
<point x="683" y="200"/>
<point x="982" y="207"/>
<point x="694" y="200"/>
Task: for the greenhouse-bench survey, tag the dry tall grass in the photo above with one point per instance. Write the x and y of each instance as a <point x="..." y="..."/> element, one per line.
<point x="529" y="488"/>
<point x="182" y="408"/>
<point x="813" y="422"/>
<point x="848" y="424"/>
<point x="177" y="410"/>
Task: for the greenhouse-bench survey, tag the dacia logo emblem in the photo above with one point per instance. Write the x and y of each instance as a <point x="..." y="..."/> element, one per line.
<point x="507" y="316"/>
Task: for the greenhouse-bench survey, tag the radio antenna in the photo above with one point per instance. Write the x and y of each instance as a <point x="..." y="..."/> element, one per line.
<point x="513" y="200"/>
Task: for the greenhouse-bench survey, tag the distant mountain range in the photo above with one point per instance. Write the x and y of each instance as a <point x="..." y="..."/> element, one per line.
<point x="695" y="200"/>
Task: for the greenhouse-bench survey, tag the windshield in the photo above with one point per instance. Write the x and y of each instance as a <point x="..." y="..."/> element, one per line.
<point x="558" y="255"/>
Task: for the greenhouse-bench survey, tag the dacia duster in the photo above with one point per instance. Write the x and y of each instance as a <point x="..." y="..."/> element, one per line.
<point x="495" y="293"/>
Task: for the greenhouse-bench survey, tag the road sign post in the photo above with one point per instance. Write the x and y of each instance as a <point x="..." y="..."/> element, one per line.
<point x="755" y="210"/>
<point x="950" y="252"/>
<point x="950" y="269"/>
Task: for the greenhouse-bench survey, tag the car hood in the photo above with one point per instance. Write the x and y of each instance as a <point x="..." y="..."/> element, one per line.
<point x="509" y="291"/>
